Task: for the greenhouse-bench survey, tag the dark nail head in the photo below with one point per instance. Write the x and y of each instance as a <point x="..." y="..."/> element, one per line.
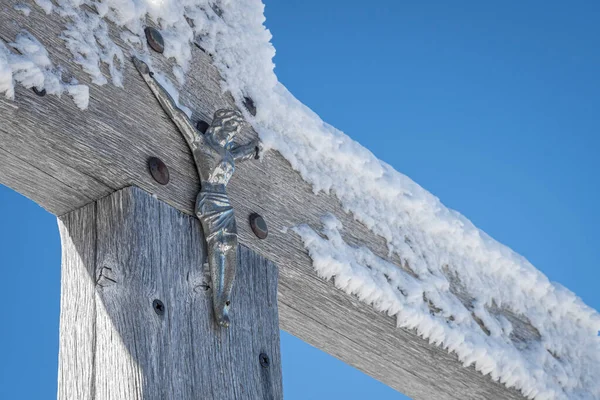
<point x="158" y="306"/>
<point x="158" y="170"/>
<point x="264" y="360"/>
<point x="259" y="226"/>
<point x="155" y="39"/>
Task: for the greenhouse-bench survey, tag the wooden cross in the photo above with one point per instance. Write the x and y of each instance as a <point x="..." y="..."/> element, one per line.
<point x="136" y="316"/>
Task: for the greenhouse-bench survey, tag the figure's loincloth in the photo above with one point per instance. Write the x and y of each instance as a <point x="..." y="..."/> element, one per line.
<point x="216" y="215"/>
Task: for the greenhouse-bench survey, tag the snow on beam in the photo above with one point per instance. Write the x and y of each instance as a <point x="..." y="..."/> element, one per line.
<point x="373" y="268"/>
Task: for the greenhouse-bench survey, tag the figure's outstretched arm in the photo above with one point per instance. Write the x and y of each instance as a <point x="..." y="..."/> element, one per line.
<point x="245" y="151"/>
<point x="180" y="119"/>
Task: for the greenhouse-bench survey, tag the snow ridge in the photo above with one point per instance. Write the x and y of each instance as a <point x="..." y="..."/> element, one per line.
<point x="428" y="307"/>
<point x="433" y="241"/>
<point x="29" y="65"/>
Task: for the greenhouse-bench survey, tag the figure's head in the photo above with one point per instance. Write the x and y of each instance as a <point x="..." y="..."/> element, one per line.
<point x="225" y="125"/>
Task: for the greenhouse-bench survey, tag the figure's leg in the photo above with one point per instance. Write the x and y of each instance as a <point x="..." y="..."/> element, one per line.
<point x="231" y="262"/>
<point x="222" y="261"/>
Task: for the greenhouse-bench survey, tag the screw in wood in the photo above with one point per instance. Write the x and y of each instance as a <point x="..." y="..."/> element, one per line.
<point x="249" y="104"/>
<point x="259" y="226"/>
<point x="202" y="126"/>
<point x="155" y="39"/>
<point x="39" y="92"/>
<point x="158" y="306"/>
<point x="264" y="360"/>
<point x="158" y="170"/>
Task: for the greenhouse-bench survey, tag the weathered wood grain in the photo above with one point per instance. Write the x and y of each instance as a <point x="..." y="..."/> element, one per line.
<point x="34" y="182"/>
<point x="120" y="254"/>
<point x="93" y="153"/>
<point x="78" y="304"/>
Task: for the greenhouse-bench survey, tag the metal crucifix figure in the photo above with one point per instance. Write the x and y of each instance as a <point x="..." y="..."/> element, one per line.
<point x="215" y="155"/>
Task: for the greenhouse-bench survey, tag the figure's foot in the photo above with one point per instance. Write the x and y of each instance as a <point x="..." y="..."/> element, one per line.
<point x="224" y="321"/>
<point x="221" y="309"/>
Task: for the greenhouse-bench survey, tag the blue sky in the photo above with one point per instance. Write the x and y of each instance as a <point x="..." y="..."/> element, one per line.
<point x="493" y="108"/>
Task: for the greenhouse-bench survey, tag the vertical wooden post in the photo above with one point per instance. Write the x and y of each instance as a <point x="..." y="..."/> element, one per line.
<point x="136" y="314"/>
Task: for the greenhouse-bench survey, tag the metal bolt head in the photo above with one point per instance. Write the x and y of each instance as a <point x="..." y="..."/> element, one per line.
<point x="158" y="306"/>
<point x="264" y="360"/>
<point x="202" y="126"/>
<point x="158" y="170"/>
<point x="39" y="92"/>
<point x="249" y="104"/>
<point x="155" y="39"/>
<point x="259" y="226"/>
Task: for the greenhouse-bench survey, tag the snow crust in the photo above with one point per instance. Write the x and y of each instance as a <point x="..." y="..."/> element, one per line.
<point x="28" y="64"/>
<point x="45" y="5"/>
<point x="23" y="8"/>
<point x="562" y="365"/>
<point x="435" y="243"/>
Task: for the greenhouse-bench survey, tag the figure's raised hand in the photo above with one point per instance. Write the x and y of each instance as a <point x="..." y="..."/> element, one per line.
<point x="247" y="151"/>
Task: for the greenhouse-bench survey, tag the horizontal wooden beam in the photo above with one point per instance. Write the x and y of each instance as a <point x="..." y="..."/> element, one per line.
<point x="63" y="158"/>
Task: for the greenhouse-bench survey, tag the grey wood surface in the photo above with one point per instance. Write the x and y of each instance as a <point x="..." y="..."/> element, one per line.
<point x="78" y="305"/>
<point x="119" y="255"/>
<point x="63" y="158"/>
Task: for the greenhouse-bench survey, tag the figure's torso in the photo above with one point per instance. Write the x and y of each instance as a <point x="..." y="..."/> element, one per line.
<point x="215" y="165"/>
